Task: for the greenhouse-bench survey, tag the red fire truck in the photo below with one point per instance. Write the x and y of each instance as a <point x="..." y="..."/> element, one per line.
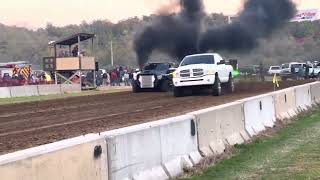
<point x="15" y="73"/>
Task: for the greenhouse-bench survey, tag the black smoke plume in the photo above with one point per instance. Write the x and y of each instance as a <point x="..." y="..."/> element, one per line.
<point x="258" y="20"/>
<point x="174" y="34"/>
<point x="180" y="34"/>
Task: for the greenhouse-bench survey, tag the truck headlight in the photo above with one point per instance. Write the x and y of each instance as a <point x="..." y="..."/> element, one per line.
<point x="159" y="77"/>
<point x="209" y="72"/>
<point x="175" y="75"/>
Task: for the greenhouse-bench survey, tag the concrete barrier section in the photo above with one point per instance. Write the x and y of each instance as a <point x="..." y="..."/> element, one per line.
<point x="179" y="146"/>
<point x="233" y="123"/>
<point x="259" y="112"/>
<point x="315" y="92"/>
<point x="49" y="89"/>
<point x="210" y="138"/>
<point x="80" y="158"/>
<point x="219" y="126"/>
<point x="18" y="91"/>
<point x="23" y="91"/>
<point x="303" y="97"/>
<point x="285" y="103"/>
<point x="5" y="92"/>
<point x="70" y="88"/>
<point x="157" y="150"/>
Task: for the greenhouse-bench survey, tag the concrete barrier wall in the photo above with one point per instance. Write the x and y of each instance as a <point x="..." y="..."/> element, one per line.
<point x="49" y="89"/>
<point x="42" y="90"/>
<point x="315" y="92"/>
<point x="22" y="91"/>
<point x="219" y="126"/>
<point x="70" y="88"/>
<point x="66" y="160"/>
<point x="303" y="97"/>
<point x="5" y="92"/>
<point x="157" y="150"/>
<point x="259" y="112"/>
<point x="285" y="103"/>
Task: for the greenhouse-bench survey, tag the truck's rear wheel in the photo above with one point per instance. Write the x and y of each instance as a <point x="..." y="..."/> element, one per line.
<point x="230" y="87"/>
<point x="217" y="90"/>
<point x="178" y="92"/>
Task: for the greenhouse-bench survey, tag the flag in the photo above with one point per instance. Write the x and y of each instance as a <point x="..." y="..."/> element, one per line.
<point x="275" y="80"/>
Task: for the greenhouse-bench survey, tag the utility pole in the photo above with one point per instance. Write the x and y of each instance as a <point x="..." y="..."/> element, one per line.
<point x="111" y="48"/>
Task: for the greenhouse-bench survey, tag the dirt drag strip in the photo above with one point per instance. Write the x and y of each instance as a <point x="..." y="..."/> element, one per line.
<point x="30" y="124"/>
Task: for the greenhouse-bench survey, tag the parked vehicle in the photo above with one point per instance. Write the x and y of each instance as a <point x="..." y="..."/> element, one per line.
<point x="315" y="70"/>
<point x="155" y="76"/>
<point x="203" y="71"/>
<point x="274" y="70"/>
<point x="292" y="70"/>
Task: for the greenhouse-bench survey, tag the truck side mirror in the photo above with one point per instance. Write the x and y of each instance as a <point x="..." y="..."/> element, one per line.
<point x="222" y="62"/>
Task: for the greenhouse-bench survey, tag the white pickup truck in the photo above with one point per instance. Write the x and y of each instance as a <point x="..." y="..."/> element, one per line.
<point x="203" y="71"/>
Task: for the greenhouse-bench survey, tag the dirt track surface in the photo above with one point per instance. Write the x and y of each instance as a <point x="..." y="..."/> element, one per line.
<point x="31" y="124"/>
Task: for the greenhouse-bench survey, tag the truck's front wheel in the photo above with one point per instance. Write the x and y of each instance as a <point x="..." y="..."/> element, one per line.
<point x="217" y="90"/>
<point x="178" y="92"/>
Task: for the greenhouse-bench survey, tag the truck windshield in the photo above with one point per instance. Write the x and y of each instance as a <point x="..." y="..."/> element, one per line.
<point x="203" y="59"/>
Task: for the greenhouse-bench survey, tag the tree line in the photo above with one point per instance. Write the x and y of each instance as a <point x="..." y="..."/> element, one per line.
<point x="295" y="42"/>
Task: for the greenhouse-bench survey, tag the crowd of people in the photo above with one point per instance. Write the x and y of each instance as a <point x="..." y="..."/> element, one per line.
<point x="116" y="77"/>
<point x="119" y="76"/>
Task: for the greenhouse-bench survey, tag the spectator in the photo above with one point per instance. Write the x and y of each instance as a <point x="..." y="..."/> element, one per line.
<point x="119" y="77"/>
<point x="6" y="79"/>
<point x="106" y="79"/>
<point x="131" y="77"/>
<point x="61" y="53"/>
<point x="114" y="78"/>
<point x="126" y="78"/>
<point x="75" y="51"/>
<point x="48" y="78"/>
<point x="34" y="79"/>
<point x="307" y="71"/>
<point x="99" y="78"/>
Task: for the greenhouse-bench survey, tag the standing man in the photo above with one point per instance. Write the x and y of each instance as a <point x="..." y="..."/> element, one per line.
<point x="75" y="51"/>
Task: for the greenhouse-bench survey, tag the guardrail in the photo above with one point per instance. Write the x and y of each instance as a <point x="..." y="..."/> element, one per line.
<point x="160" y="149"/>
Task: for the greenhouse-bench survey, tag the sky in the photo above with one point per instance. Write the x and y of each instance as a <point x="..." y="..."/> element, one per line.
<point x="37" y="13"/>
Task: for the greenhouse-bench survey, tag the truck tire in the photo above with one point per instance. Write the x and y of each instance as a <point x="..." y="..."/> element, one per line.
<point x="230" y="87"/>
<point x="178" y="92"/>
<point x="216" y="89"/>
<point x="135" y="87"/>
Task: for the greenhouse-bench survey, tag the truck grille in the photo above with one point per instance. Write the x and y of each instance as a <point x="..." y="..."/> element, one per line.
<point x="185" y="73"/>
<point x="198" y="72"/>
<point x="146" y="81"/>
